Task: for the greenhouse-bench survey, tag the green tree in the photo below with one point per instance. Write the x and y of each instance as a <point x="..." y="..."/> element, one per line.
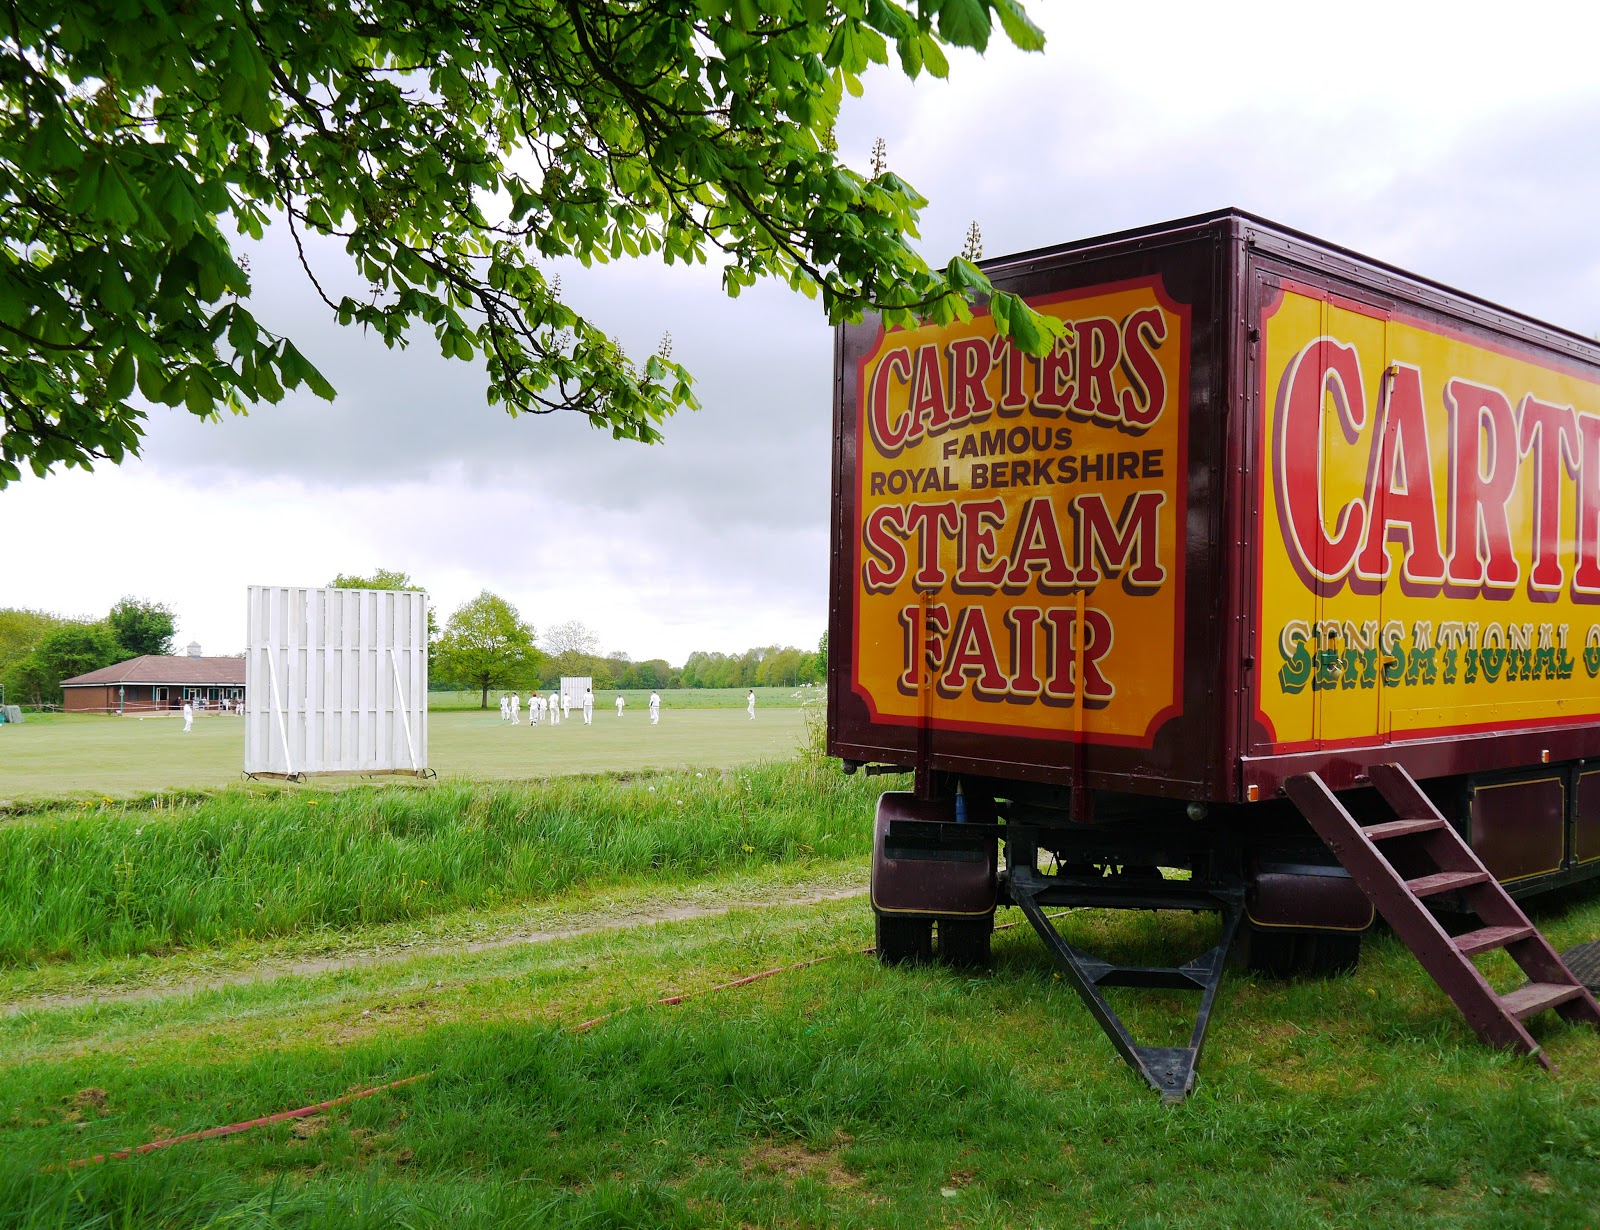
<point x="574" y="649"/>
<point x="486" y="645"/>
<point x="381" y="578"/>
<point x="449" y="147"/>
<point x="20" y="631"/>
<point x="142" y="627"/>
<point x="68" y="650"/>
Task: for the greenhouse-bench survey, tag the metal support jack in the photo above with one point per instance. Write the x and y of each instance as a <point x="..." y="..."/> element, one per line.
<point x="1170" y="1070"/>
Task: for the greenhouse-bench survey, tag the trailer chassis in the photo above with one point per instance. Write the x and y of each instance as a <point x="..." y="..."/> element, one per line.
<point x="1094" y="867"/>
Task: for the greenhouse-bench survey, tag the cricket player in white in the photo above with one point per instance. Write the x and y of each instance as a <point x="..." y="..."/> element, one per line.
<point x="588" y="706"/>
<point x="566" y="705"/>
<point x="655" y="709"/>
<point x="620" y="703"/>
<point x="188" y="717"/>
<point x="533" y="708"/>
<point x="505" y="708"/>
<point x="555" y="709"/>
<point x="516" y="708"/>
<point x="750" y="704"/>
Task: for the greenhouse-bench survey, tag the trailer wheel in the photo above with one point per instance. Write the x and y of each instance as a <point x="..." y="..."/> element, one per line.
<point x="1303" y="954"/>
<point x="902" y="940"/>
<point x="964" y="942"/>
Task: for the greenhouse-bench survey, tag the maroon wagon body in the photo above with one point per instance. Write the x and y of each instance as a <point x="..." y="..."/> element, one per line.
<point x="1220" y="269"/>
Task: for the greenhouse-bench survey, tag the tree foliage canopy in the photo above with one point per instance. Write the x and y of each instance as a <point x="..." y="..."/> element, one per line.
<point x="64" y="651"/>
<point x="449" y="146"/>
<point x="487" y="645"/>
<point x="381" y="578"/>
<point x="142" y="627"/>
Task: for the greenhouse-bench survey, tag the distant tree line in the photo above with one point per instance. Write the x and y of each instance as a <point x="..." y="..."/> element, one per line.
<point x="485" y="646"/>
<point x="39" y="649"/>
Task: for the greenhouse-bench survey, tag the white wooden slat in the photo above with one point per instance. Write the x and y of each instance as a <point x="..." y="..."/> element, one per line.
<point x="350" y="668"/>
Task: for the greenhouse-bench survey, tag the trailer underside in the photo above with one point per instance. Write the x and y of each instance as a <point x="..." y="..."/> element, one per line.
<point x="1299" y="882"/>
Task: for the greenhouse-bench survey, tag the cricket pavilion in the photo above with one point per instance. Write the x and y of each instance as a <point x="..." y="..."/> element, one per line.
<point x="156" y="682"/>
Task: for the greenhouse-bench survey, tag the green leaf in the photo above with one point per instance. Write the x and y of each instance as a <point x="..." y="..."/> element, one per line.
<point x="1018" y="26"/>
<point x="965" y="23"/>
<point x="242" y="329"/>
<point x="152" y="379"/>
<point x="966" y="276"/>
<point x="120" y="380"/>
<point x="746" y="15"/>
<point x="196" y="398"/>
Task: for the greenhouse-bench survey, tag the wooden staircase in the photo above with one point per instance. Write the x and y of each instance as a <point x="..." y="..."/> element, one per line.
<point x="1422" y="841"/>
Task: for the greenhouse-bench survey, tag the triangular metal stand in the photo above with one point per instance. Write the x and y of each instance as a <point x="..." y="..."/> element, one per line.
<point x="1170" y="1070"/>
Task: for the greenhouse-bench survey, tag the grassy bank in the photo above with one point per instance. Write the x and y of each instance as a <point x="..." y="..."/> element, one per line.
<point x="113" y="880"/>
<point x="838" y="1095"/>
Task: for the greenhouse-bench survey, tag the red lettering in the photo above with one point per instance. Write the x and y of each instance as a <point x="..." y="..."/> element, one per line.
<point x="1586" y="573"/>
<point x="1113" y="544"/>
<point x="969" y="368"/>
<point x="1014" y="387"/>
<point x="928" y="408"/>
<point x="1400" y="496"/>
<point x="972" y="654"/>
<point x="1098" y="351"/>
<point x="1023" y="622"/>
<point x="977" y="569"/>
<point x="1055" y="381"/>
<point x="890" y="436"/>
<point x="1146" y="396"/>
<point x="881" y="535"/>
<point x="1323" y="370"/>
<point x="929" y="521"/>
<point x="1550" y="433"/>
<point x="1061" y="647"/>
<point x="1479" y="528"/>
<point x="1038" y="547"/>
<point x="923" y="644"/>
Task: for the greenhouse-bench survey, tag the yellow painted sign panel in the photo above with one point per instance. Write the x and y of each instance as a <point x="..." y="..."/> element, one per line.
<point x="1018" y="562"/>
<point x="1428" y="530"/>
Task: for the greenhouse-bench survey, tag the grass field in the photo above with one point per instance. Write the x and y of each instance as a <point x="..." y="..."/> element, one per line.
<point x="837" y="1094"/>
<point x="71" y="754"/>
<point x="176" y="963"/>
<point x="639" y="698"/>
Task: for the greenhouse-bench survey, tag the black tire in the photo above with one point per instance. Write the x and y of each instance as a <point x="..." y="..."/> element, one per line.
<point x="964" y="942"/>
<point x="903" y="940"/>
<point x="1303" y="954"/>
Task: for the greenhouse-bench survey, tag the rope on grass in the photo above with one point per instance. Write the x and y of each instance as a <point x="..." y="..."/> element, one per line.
<point x="669" y="1000"/>
<point x="302" y="1112"/>
<point x="233" y="1128"/>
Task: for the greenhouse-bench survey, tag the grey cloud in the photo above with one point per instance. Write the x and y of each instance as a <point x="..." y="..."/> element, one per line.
<point x="762" y="367"/>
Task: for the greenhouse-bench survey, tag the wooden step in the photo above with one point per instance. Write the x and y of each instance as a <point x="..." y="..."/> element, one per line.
<point x="1535" y="997"/>
<point x="1402" y="828"/>
<point x="1486" y="938"/>
<point x="1444" y="881"/>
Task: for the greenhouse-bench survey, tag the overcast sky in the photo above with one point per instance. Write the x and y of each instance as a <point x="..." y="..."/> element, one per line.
<point x="1462" y="148"/>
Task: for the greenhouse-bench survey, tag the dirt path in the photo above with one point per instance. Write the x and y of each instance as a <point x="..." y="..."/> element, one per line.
<point x="271" y="969"/>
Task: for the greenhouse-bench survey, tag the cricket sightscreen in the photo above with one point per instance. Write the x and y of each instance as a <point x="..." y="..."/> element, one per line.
<point x="336" y="681"/>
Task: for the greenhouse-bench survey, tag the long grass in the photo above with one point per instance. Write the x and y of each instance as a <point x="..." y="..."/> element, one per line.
<point x="841" y="1095"/>
<point x="118" y="880"/>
